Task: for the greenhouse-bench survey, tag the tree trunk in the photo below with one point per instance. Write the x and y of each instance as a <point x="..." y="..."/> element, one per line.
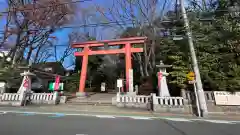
<point x="145" y="60"/>
<point x="29" y="54"/>
<point x="37" y="53"/>
<point x="153" y="54"/>
<point x="15" y="55"/>
<point x="2" y="62"/>
<point x="140" y="64"/>
<point x="16" y="50"/>
<point x="20" y="56"/>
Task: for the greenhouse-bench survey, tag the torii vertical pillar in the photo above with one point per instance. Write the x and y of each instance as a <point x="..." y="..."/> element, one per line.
<point x="83" y="72"/>
<point x="128" y="62"/>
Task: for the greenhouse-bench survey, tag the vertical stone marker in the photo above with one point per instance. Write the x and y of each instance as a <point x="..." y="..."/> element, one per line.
<point x="130" y="82"/>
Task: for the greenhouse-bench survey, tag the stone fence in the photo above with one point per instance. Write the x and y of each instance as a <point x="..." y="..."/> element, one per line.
<point x="168" y="104"/>
<point x="190" y="96"/>
<point x="44" y="98"/>
<point x="152" y="102"/>
<point x="130" y="101"/>
<point x="184" y="104"/>
<point x="13" y="99"/>
<point x="19" y="99"/>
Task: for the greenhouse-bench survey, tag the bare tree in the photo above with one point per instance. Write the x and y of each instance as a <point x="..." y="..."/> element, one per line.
<point x="43" y="52"/>
<point x="33" y="22"/>
<point x="139" y="14"/>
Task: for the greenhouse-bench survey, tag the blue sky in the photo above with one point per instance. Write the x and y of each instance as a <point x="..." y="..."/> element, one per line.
<point x="62" y="35"/>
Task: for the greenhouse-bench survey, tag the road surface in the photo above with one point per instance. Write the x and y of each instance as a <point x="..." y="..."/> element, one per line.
<point x="58" y="124"/>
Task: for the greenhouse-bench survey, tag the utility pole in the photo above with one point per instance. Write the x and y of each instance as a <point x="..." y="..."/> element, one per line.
<point x="200" y="92"/>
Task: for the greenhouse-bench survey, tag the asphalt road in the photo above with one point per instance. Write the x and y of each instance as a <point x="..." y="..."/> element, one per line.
<point x="27" y="124"/>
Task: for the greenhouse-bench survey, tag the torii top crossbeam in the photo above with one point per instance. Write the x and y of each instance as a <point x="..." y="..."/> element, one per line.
<point x="127" y="50"/>
<point x="132" y="40"/>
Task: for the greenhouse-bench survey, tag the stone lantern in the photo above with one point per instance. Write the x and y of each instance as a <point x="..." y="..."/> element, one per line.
<point x="162" y="81"/>
<point x="26" y="82"/>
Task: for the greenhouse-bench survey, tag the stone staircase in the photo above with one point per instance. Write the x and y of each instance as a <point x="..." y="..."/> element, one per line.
<point x="100" y="99"/>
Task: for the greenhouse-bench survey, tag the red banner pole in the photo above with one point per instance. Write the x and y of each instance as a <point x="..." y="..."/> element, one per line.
<point x="57" y="81"/>
<point x="159" y="79"/>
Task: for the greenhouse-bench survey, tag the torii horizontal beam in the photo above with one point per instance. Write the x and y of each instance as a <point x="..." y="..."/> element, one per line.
<point x="133" y="40"/>
<point x="112" y="51"/>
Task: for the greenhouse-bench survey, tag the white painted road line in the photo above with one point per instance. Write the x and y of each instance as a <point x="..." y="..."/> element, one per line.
<point x="178" y="119"/>
<point x="140" y="118"/>
<point x="219" y="121"/>
<point x="105" y="116"/>
<point x="3" y="112"/>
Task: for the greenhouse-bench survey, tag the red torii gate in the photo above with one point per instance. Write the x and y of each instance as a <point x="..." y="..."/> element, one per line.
<point x="127" y="49"/>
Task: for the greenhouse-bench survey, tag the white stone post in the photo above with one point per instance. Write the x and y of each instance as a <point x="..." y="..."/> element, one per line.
<point x="154" y="101"/>
<point x="2" y="87"/>
<point x="22" y="98"/>
<point x="136" y="89"/>
<point x="118" y="97"/>
<point x="55" y="97"/>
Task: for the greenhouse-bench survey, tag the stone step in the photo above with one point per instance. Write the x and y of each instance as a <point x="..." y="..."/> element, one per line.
<point x="90" y="103"/>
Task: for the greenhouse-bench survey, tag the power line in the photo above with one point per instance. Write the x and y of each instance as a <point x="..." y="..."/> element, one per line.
<point x="53" y="5"/>
<point x="86" y="25"/>
<point x="124" y="22"/>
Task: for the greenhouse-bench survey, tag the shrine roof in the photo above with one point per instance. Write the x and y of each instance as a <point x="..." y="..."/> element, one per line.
<point x="131" y="40"/>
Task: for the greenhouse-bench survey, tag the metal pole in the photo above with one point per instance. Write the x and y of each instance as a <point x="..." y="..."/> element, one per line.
<point x="200" y="91"/>
<point x="197" y="100"/>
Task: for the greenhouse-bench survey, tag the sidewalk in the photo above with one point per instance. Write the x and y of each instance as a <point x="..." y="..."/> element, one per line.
<point x="91" y="109"/>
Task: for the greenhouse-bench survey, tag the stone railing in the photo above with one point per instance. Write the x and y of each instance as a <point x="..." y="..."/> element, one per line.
<point x="168" y="104"/>
<point x="10" y="97"/>
<point x="157" y="104"/>
<point x="13" y="99"/>
<point x="44" y="98"/>
<point x="134" y="101"/>
<point x="19" y="99"/>
<point x="188" y="95"/>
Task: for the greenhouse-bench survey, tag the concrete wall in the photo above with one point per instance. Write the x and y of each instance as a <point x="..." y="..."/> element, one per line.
<point x="190" y="103"/>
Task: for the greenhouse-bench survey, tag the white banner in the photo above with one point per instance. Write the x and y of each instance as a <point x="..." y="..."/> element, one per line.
<point x="227" y="98"/>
